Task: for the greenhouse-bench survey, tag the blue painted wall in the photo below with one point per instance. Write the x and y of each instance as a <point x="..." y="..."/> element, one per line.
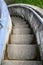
<point x="4" y="22"/>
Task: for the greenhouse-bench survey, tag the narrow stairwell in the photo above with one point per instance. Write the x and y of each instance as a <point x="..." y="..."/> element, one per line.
<point x="22" y="48"/>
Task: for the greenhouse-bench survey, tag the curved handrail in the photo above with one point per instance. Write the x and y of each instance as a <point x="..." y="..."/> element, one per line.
<point x="31" y="6"/>
<point x="28" y="7"/>
<point x="35" y="8"/>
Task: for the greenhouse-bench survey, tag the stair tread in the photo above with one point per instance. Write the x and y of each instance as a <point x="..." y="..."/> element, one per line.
<point x="21" y="51"/>
<point x="21" y="26"/>
<point x="22" y="39"/>
<point x="21" y="30"/>
<point x="20" y="23"/>
<point x="12" y="62"/>
<point x="17" y="19"/>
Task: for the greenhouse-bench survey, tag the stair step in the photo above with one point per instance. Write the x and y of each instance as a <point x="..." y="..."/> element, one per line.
<point x="17" y="20"/>
<point x="21" y="51"/>
<point x="21" y="31"/>
<point x="22" y="39"/>
<point x="12" y="62"/>
<point x="20" y="23"/>
<point x="21" y="26"/>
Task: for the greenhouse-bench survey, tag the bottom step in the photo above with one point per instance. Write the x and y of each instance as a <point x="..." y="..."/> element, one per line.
<point x="21" y="51"/>
<point x="12" y="62"/>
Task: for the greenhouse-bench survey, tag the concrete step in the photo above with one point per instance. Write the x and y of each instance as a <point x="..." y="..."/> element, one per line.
<point x="21" y="51"/>
<point x="21" y="26"/>
<point x="21" y="30"/>
<point x="20" y="23"/>
<point x="22" y="39"/>
<point x="17" y="20"/>
<point x="12" y="62"/>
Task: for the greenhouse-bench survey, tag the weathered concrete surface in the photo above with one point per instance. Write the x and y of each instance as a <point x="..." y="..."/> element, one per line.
<point x="17" y="20"/>
<point x="19" y="23"/>
<point x="21" y="51"/>
<point x="22" y="39"/>
<point x="21" y="26"/>
<point x="22" y="31"/>
<point x="10" y="62"/>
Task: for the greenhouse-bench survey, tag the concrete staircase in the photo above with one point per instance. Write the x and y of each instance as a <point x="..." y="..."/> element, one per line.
<point x="22" y="48"/>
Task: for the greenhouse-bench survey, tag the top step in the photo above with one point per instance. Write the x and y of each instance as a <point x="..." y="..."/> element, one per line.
<point x="17" y="19"/>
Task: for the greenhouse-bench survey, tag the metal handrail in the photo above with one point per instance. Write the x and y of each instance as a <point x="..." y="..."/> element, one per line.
<point x="27" y="7"/>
